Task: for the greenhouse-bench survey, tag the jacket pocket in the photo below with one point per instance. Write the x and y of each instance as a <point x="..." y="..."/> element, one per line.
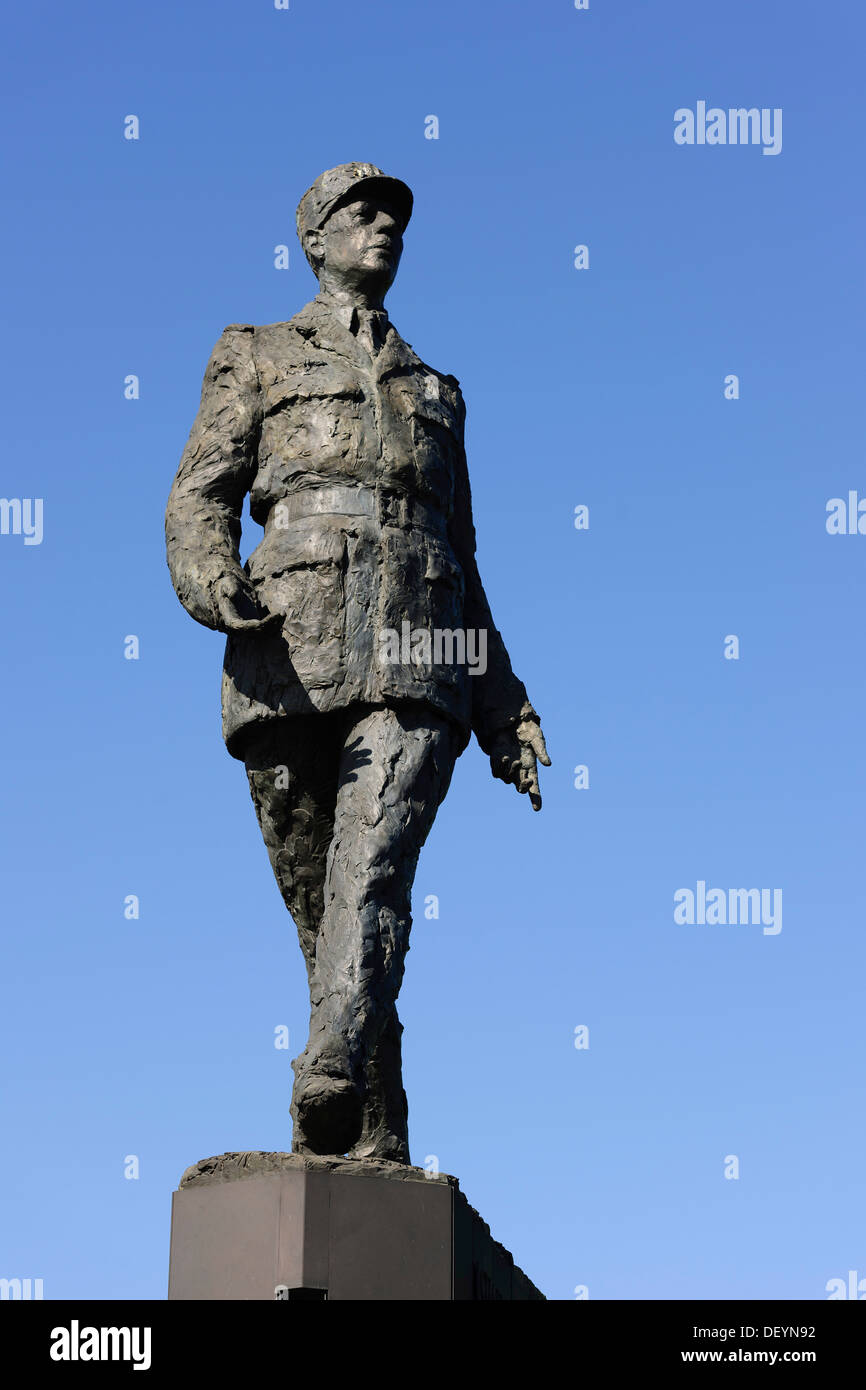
<point x="300" y="574"/>
<point x="421" y="582"/>
<point x="316" y="384"/>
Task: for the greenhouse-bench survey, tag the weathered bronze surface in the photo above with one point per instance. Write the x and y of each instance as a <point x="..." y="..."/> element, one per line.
<point x="361" y="652"/>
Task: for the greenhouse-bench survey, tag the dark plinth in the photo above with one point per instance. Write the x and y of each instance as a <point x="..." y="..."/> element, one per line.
<point x="265" y="1226"/>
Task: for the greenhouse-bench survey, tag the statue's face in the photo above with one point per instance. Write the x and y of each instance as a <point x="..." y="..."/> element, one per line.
<point x="361" y="243"/>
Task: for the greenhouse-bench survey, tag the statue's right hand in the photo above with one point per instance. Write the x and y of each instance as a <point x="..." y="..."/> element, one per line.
<point x="238" y="607"/>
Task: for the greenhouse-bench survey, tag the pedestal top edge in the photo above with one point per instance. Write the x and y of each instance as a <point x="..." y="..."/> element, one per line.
<point x="230" y="1167"/>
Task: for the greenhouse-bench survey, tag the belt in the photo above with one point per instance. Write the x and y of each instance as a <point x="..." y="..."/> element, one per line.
<point x="348" y="499"/>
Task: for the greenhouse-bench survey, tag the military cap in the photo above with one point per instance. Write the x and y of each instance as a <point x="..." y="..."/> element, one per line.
<point x="336" y="186"/>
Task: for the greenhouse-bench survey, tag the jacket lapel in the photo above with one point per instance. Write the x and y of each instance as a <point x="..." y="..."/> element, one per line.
<point x="395" y="357"/>
<point x="322" y="327"/>
<point x="326" y="331"/>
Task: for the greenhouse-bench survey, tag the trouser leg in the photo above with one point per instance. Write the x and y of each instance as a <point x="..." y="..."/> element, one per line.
<point x="395" y="769"/>
<point x="292" y="768"/>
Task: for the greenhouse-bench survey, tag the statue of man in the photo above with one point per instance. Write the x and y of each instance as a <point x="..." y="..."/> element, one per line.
<point x="361" y="652"/>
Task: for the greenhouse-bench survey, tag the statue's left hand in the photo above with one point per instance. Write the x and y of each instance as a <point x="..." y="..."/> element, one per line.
<point x="515" y="756"/>
<point x="238" y="607"/>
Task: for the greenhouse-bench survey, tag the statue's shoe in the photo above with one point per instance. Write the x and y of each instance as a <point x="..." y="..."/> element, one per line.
<point x="390" y="1146"/>
<point x="328" y="1113"/>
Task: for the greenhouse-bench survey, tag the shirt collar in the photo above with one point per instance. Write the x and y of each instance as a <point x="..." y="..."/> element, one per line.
<point x="347" y="314"/>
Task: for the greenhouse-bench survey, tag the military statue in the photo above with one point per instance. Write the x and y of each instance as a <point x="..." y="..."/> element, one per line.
<point x="349" y="685"/>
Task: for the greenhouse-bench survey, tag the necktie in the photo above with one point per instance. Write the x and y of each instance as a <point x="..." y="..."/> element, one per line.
<point x="372" y="327"/>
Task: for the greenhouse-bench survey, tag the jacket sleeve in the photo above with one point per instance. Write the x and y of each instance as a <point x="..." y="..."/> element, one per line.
<point x="499" y="699"/>
<point x="217" y="468"/>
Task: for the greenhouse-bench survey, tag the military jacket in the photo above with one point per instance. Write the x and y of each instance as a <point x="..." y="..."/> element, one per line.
<point x="355" y="468"/>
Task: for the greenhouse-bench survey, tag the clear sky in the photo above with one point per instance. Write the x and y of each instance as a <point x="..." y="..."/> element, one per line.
<point x="602" y="1166"/>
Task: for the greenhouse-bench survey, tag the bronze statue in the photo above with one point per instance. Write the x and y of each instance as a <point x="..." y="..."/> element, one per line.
<point x="349" y="687"/>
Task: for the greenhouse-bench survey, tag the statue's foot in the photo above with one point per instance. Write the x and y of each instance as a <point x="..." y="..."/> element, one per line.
<point x="385" y="1133"/>
<point x="327" y="1105"/>
<point x="390" y="1146"/>
<point x="328" y="1116"/>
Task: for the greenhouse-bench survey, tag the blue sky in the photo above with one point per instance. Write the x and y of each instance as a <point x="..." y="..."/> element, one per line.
<point x="602" y="1167"/>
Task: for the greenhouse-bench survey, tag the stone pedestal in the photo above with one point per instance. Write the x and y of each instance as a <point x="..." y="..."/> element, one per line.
<point x="288" y="1226"/>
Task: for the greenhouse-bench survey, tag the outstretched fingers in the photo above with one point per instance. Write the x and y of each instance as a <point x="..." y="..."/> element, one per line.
<point x="529" y="777"/>
<point x="539" y="747"/>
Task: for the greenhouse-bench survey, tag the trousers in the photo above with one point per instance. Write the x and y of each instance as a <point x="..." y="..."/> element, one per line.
<point x="345" y="801"/>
